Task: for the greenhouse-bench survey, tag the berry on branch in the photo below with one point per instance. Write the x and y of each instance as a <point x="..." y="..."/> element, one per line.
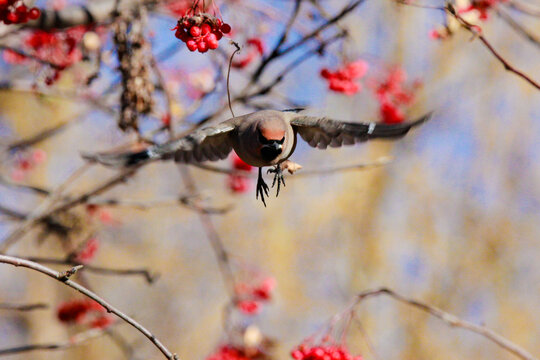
<point x="200" y="31"/>
<point x="16" y="12"/>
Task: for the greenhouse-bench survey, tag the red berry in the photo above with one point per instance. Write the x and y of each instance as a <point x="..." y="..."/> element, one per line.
<point x="191" y="45"/>
<point x="12" y="18"/>
<point x="226" y="28"/>
<point x="205" y="29"/>
<point x="202" y="46"/>
<point x="21" y="9"/>
<point x="195" y="31"/>
<point x="34" y="13"/>
<point x="213" y="44"/>
<point x="218" y="34"/>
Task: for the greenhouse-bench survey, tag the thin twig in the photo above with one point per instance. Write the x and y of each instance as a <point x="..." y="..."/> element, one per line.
<point x="518" y="27"/>
<point x="32" y="57"/>
<point x="217" y="245"/>
<point x="75" y="340"/>
<point x="475" y="30"/>
<point x="451" y="320"/>
<point x="42" y="135"/>
<point x="229" y="76"/>
<point x="38" y="214"/>
<point x="363" y="166"/>
<point x="149" y="277"/>
<point x="59" y="276"/>
<point x="23" y="307"/>
<point x="524" y="8"/>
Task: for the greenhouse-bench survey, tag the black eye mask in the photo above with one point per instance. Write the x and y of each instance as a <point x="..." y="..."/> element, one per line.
<point x="262" y="139"/>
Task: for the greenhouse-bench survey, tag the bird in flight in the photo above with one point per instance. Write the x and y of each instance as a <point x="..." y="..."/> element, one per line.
<point x="262" y="138"/>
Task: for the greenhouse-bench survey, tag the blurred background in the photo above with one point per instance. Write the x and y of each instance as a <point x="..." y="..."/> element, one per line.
<point x="452" y="220"/>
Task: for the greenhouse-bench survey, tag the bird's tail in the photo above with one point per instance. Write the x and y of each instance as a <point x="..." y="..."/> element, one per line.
<point x="126" y="159"/>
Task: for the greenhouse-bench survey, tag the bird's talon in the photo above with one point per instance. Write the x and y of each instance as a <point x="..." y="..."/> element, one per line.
<point x="262" y="188"/>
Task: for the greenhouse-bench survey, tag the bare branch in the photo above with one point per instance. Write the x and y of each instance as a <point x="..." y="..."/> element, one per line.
<point x="149" y="277"/>
<point x="59" y="276"/>
<point x="518" y="28"/>
<point x="217" y="245"/>
<point x="451" y="320"/>
<point x="377" y="163"/>
<point x="38" y="214"/>
<point x="75" y="340"/>
<point x="23" y="307"/>
<point x="476" y="31"/>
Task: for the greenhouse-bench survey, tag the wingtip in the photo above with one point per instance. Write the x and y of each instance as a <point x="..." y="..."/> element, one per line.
<point x="422" y="119"/>
<point x="113" y="160"/>
<point x="295" y="110"/>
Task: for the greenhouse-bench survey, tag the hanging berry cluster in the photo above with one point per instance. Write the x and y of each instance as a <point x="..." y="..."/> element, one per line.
<point x="26" y="161"/>
<point x="84" y="312"/>
<point x="16" y="12"/>
<point x="228" y="353"/>
<point x="482" y="6"/>
<point x="201" y="32"/>
<point x="344" y="80"/>
<point x="323" y="352"/>
<point x="393" y="94"/>
<point x="239" y="182"/>
<point x="250" y="295"/>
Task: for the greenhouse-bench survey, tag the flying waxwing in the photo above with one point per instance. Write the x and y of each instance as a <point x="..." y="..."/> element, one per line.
<point x="262" y="138"/>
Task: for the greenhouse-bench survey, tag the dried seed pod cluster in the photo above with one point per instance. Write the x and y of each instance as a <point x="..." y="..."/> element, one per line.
<point x="201" y="32"/>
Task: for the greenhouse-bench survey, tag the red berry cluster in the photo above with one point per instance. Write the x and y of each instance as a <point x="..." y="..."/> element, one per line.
<point x="201" y="32"/>
<point x="87" y="253"/>
<point x="482" y="6"/>
<point x="250" y="296"/>
<point x="104" y="215"/>
<point x="228" y="352"/>
<point x="60" y="48"/>
<point x="25" y="162"/>
<point x="343" y="80"/>
<point x="328" y="352"/>
<point x="85" y="312"/>
<point x="15" y="12"/>
<point x="239" y="183"/>
<point x="393" y="96"/>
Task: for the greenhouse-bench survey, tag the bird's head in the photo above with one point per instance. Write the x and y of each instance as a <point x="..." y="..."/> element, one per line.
<point x="270" y="136"/>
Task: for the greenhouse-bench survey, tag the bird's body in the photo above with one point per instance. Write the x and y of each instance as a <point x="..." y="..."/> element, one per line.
<point x="263" y="138"/>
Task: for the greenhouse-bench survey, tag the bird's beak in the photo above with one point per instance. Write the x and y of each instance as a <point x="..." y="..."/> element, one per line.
<point x="271" y="151"/>
<point x="275" y="146"/>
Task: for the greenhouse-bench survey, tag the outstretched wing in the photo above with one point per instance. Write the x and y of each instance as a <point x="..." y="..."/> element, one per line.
<point x="211" y="143"/>
<point x="324" y="132"/>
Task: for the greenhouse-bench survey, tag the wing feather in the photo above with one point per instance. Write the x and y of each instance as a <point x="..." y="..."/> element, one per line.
<point x="324" y="132"/>
<point x="211" y="143"/>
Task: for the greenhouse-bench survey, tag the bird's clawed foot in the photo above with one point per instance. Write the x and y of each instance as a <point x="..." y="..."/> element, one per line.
<point x="278" y="177"/>
<point x="262" y="188"/>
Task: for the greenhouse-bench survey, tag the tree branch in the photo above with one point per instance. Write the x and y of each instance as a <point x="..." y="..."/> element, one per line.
<point x="23" y="307"/>
<point x="61" y="277"/>
<point x="451" y="320"/>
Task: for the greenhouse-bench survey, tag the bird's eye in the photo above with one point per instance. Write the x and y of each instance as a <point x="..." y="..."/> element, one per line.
<point x="262" y="139"/>
<point x="282" y="140"/>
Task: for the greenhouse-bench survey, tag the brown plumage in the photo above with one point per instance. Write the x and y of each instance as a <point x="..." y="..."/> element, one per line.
<point x="262" y="138"/>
